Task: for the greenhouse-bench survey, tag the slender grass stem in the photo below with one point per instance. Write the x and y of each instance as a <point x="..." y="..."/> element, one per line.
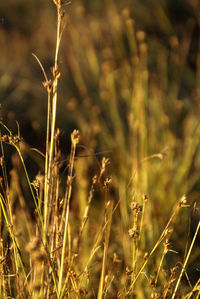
<point x="51" y="118"/>
<point x="16" y="248"/>
<point x="186" y="260"/>
<point x="108" y="219"/>
<point x="75" y="140"/>
<point x="162" y="236"/>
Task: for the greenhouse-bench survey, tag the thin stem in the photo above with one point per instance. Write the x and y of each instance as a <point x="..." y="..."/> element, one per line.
<point x="186" y="260"/>
<point x="50" y="149"/>
<point x="16" y="248"/>
<point x="75" y="140"/>
<point x="162" y="236"/>
<point x="108" y="218"/>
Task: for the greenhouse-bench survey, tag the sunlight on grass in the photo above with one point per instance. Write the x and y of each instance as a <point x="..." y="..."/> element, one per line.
<point x="111" y="219"/>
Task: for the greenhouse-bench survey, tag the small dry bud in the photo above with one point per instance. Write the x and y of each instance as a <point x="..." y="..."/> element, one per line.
<point x="145" y="197"/>
<point x="128" y="271"/>
<point x="4" y="138"/>
<point x="182" y="201"/>
<point x="94" y="179"/>
<point x="107" y="182"/>
<point x="48" y="85"/>
<point x="133" y="233"/>
<point x="56" y="73"/>
<point x="140" y="208"/>
<point x="115" y="258"/>
<point x="173" y="270"/>
<point x="155" y="295"/>
<point x="152" y="281"/>
<point x="75" y="137"/>
<point x="104" y="163"/>
<point x="167" y="245"/>
<point x="14" y="140"/>
<point x="136" y="207"/>
<point x="36" y="184"/>
<point x="72" y="272"/>
<point x="146" y="256"/>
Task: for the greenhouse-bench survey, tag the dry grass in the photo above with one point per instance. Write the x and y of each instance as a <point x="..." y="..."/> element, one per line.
<point x="95" y="233"/>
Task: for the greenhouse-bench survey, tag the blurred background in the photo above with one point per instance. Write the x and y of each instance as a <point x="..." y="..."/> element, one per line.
<point x="130" y="81"/>
<point x="100" y="39"/>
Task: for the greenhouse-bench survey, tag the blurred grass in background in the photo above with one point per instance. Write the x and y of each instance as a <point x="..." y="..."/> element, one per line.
<point x="130" y="83"/>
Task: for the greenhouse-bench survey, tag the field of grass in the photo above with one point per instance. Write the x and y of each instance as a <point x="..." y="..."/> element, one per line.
<point x="100" y="147"/>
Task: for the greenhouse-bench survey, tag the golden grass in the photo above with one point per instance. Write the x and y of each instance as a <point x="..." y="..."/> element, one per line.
<point x="96" y="233"/>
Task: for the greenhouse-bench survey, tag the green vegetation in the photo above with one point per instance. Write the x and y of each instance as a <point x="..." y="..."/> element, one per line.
<point x="107" y="216"/>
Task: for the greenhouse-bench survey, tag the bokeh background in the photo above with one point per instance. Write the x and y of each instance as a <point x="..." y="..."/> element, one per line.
<point x="130" y="81"/>
<point x="96" y="36"/>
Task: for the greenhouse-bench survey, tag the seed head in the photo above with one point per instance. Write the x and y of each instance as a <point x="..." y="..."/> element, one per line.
<point x="105" y="161"/>
<point x="75" y="137"/>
